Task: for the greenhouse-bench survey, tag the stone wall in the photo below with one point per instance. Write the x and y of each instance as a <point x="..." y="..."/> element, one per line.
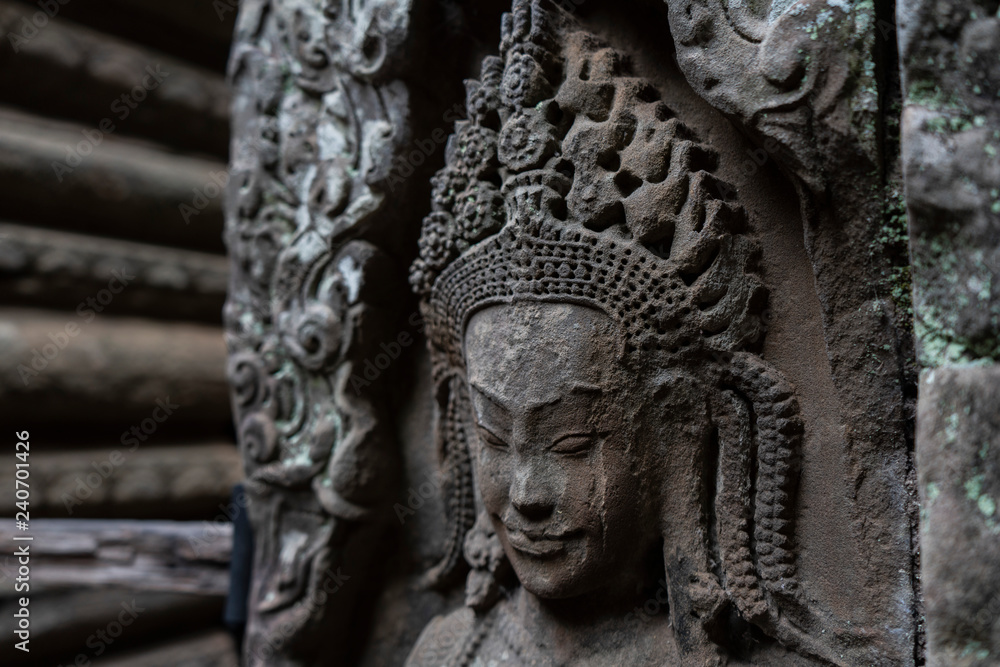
<point x="950" y="144"/>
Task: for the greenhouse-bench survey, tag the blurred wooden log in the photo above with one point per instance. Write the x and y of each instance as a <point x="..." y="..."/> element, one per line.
<point x="114" y="375"/>
<point x="167" y="556"/>
<point x="123" y="188"/>
<point x="187" y="110"/>
<point x="209" y="649"/>
<point x="188" y="481"/>
<point x="46" y="268"/>
<point x="62" y="623"/>
<point x="210" y="21"/>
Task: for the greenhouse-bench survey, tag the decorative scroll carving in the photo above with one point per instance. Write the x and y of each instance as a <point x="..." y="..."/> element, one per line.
<point x="577" y="246"/>
<point x="319" y="115"/>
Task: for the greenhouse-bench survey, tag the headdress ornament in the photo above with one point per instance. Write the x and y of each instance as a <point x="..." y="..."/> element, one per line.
<point x="573" y="181"/>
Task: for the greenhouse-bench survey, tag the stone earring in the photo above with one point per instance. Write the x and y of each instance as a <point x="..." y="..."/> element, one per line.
<point x="485" y="555"/>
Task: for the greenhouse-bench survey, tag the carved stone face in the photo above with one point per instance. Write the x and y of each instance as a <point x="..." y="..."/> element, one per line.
<point x="553" y="459"/>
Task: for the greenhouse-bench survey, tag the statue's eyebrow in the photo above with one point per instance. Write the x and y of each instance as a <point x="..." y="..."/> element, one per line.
<point x="489" y="395"/>
<point x="575" y="388"/>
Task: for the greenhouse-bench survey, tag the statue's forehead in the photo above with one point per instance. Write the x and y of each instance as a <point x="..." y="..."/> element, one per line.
<point x="533" y="351"/>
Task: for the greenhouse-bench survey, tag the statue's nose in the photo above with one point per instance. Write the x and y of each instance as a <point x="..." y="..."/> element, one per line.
<point x="532" y="491"/>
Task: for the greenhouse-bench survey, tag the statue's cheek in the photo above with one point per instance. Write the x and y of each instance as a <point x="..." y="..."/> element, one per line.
<point x="579" y="485"/>
<point x="494" y="473"/>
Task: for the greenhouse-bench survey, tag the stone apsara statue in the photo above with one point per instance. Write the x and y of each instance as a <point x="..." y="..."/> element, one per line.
<point x="609" y="435"/>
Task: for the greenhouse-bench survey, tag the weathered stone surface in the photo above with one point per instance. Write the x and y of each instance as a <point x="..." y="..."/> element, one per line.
<point x="111" y="374"/>
<point x="171" y="556"/>
<point x="173" y="103"/>
<point x="805" y="80"/>
<point x="134" y="479"/>
<point x="211" y="649"/>
<point x="63" y="621"/>
<point x="122" y="188"/>
<point x="951" y="157"/>
<point x="47" y="268"/>
<point x="950" y="143"/>
<point x="958" y="454"/>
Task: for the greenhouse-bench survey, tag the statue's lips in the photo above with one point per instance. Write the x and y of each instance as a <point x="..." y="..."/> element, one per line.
<point x="539" y="545"/>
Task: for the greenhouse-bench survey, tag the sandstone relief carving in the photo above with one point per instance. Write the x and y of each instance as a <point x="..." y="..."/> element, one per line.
<point x="593" y="310"/>
<point x="312" y="150"/>
<point x="663" y="405"/>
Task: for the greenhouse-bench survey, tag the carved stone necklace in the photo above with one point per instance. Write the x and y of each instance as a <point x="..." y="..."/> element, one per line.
<point x="518" y="640"/>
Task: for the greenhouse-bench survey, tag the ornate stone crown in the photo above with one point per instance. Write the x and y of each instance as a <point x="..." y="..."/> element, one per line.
<point x="590" y="191"/>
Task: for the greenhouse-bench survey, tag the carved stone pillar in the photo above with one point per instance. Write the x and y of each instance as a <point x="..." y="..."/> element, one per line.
<point x="319" y="114"/>
<point x="950" y="143"/>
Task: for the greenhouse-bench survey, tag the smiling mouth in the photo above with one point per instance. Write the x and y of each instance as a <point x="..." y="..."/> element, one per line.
<point x="540" y="546"/>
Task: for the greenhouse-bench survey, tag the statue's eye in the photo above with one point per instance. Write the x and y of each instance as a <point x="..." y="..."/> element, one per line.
<point x="574" y="444"/>
<point x="490" y="439"/>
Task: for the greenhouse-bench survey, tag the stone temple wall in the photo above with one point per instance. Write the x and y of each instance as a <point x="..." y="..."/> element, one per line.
<point x="951" y="137"/>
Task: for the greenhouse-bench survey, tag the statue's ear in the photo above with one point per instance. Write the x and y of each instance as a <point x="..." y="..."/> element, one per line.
<point x="490" y="567"/>
<point x="677" y="415"/>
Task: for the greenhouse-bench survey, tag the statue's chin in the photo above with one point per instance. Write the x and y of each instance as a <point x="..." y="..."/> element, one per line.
<point x="548" y="590"/>
<point x="550" y="580"/>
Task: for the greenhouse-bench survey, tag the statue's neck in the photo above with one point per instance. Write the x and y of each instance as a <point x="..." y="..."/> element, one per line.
<point x="615" y="603"/>
<point x="582" y="630"/>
